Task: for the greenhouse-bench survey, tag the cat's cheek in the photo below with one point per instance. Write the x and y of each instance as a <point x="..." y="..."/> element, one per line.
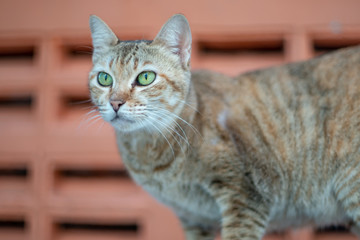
<point x="108" y="115"/>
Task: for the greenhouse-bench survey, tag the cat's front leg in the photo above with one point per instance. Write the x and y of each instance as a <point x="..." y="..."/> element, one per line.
<point x="197" y="231"/>
<point x="192" y="233"/>
<point x="245" y="214"/>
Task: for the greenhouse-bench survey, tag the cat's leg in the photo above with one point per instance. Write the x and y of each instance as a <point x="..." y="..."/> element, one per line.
<point x="197" y="231"/>
<point x="245" y="214"/>
<point x="347" y="192"/>
<point x="353" y="212"/>
<point x="355" y="229"/>
<point x="198" y="234"/>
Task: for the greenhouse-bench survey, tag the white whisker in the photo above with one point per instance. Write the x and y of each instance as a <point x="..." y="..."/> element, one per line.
<point x="94" y="120"/>
<point x="167" y="127"/>
<point x="94" y="117"/>
<point x="88" y="107"/>
<point x="85" y="118"/>
<point x="172" y="150"/>
<point x="100" y="127"/>
<point x="166" y="112"/>
<point x="92" y="111"/>
<point x="184" y="137"/>
<point x="88" y="117"/>
<point x="190" y="106"/>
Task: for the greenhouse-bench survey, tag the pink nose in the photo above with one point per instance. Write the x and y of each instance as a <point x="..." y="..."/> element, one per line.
<point x="116" y="104"/>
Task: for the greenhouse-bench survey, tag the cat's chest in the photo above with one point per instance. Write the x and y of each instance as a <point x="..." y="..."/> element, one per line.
<point x="170" y="183"/>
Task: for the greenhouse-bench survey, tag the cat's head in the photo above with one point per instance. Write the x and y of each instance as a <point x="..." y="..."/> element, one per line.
<point x="140" y="84"/>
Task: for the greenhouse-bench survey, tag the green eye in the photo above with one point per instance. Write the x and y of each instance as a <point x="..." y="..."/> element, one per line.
<point x="104" y="79"/>
<point x="145" y="78"/>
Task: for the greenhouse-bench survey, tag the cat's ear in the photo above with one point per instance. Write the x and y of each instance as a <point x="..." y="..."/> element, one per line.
<point x="102" y="36"/>
<point x="176" y="34"/>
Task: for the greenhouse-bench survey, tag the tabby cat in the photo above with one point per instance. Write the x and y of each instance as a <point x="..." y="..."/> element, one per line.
<point x="263" y="151"/>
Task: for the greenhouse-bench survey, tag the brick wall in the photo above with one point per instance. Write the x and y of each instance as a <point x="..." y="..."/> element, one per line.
<point x="60" y="175"/>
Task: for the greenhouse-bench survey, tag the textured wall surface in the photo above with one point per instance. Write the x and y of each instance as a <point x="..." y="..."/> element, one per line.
<point x="61" y="177"/>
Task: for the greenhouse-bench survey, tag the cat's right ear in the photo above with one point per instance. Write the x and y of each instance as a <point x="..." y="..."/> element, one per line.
<point x="102" y="36"/>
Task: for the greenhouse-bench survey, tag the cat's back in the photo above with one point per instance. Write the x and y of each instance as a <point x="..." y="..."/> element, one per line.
<point x="330" y="75"/>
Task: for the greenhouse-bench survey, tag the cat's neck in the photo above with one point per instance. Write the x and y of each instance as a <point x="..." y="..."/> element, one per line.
<point x="145" y="150"/>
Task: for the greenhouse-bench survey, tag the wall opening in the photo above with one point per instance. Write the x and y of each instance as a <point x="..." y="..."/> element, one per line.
<point x="16" y="101"/>
<point x="17" y="53"/>
<point x="242" y="47"/>
<point x="325" y="45"/>
<point x="100" y="227"/>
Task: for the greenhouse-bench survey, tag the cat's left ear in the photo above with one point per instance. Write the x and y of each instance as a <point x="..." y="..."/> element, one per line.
<point x="102" y="36"/>
<point x="176" y="34"/>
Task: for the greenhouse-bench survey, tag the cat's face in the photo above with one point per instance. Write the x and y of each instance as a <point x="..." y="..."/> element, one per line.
<point x="140" y="84"/>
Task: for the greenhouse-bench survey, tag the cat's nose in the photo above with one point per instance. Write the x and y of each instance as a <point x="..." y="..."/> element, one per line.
<point x="116" y="104"/>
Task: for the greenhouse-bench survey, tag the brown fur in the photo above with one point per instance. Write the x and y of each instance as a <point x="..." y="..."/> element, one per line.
<point x="263" y="151"/>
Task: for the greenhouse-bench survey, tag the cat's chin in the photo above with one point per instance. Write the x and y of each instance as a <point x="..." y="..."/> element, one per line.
<point x="125" y="128"/>
<point x="124" y="125"/>
<point x="128" y="126"/>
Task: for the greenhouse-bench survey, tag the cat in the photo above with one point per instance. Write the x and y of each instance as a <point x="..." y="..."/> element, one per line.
<point x="264" y="151"/>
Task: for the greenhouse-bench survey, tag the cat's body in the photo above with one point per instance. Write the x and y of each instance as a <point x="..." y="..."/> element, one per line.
<point x="266" y="150"/>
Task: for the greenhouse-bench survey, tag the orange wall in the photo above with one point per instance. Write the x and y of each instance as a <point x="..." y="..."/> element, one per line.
<point x="60" y="173"/>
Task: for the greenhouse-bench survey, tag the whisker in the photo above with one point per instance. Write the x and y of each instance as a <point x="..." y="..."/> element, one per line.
<point x="85" y="117"/>
<point x="184" y="137"/>
<point x="88" y="117"/>
<point x="190" y="106"/>
<point x="92" y="118"/>
<point x="95" y="120"/>
<point x="92" y="111"/>
<point x="88" y="122"/>
<point x="172" y="150"/>
<point x="100" y="127"/>
<point x="167" y="127"/>
<point x="176" y="116"/>
<point x="86" y="46"/>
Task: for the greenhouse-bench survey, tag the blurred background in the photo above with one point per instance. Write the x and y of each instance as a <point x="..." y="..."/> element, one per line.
<point x="61" y="177"/>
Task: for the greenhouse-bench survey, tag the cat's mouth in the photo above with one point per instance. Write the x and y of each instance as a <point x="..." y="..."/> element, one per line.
<point x="121" y="119"/>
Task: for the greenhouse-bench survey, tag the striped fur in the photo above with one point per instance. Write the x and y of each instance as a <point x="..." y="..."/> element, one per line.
<point x="264" y="151"/>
